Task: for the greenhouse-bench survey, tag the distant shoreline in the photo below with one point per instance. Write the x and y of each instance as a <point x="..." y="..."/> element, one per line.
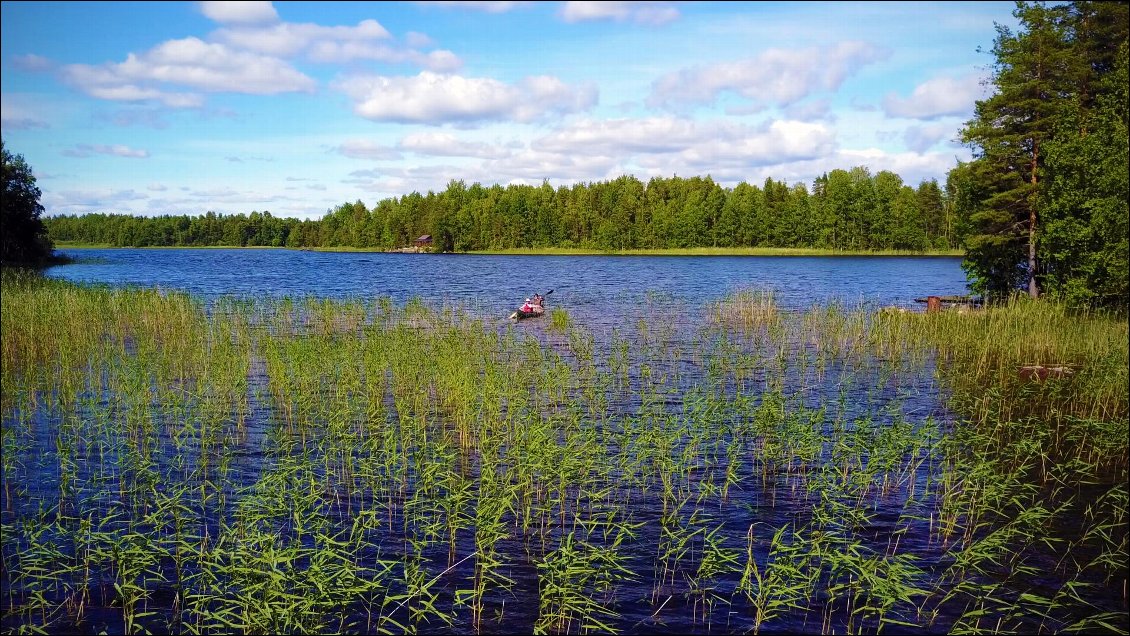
<point x="562" y="251"/>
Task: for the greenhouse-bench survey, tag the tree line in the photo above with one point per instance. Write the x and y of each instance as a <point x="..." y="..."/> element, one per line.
<point x="845" y="210"/>
<point x="1047" y="191"/>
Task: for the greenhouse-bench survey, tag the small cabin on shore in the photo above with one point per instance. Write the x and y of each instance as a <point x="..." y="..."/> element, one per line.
<point x="424" y="242"/>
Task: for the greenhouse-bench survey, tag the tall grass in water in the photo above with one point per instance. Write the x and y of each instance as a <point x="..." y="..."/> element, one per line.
<point x="991" y="360"/>
<point x="1036" y="459"/>
<point x="307" y="465"/>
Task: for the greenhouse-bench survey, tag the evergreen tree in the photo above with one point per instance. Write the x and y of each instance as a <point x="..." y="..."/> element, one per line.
<point x="23" y="236"/>
<point x="1046" y="195"/>
<point x="1031" y="76"/>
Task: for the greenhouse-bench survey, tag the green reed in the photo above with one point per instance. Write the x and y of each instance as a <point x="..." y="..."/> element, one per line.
<point x="308" y="465"/>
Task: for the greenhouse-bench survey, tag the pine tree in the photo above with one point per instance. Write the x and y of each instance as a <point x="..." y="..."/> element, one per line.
<point x="1031" y="77"/>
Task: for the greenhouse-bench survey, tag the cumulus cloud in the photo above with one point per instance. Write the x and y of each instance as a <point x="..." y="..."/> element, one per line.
<point x="602" y="149"/>
<point x="368" y="40"/>
<point x="697" y="143"/>
<point x="287" y="39"/>
<point x="248" y="54"/>
<point x="239" y="11"/>
<point x="913" y="167"/>
<point x="435" y="98"/>
<point x="654" y="13"/>
<point x="190" y="62"/>
<point x="776" y="76"/>
<point x="418" y="40"/>
<point x="533" y="165"/>
<point x="938" y="97"/>
<point x="88" y="150"/>
<point x="447" y="145"/>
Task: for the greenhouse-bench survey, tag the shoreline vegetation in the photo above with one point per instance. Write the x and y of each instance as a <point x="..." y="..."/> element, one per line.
<point x="564" y="251"/>
<point x="311" y="465"/>
<point x="842" y="210"/>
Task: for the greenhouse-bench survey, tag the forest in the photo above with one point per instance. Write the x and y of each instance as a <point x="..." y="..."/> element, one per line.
<point x="845" y="210"/>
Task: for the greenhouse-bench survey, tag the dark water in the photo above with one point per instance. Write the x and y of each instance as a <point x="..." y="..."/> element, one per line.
<point x="588" y="286"/>
<point x="597" y="291"/>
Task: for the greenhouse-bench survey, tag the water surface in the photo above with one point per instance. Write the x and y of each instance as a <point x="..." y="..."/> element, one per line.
<point x="588" y="286"/>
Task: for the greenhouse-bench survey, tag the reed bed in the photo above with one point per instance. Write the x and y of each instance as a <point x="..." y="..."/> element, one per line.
<point x="312" y="465"/>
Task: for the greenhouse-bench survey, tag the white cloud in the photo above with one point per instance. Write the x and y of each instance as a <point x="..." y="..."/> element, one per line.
<point x="696" y="143"/>
<point x="532" y="166"/>
<point x="655" y="13"/>
<point x="330" y="52"/>
<point x="288" y="39"/>
<point x="134" y="93"/>
<point x="447" y="145"/>
<point x="922" y="138"/>
<point x="594" y="149"/>
<point x="239" y="12"/>
<point x="937" y="97"/>
<point x="435" y="98"/>
<point x="610" y="136"/>
<point x="244" y="58"/>
<point x="368" y="40"/>
<point x="417" y="40"/>
<point x="229" y="200"/>
<point x="188" y="62"/>
<point x="365" y="149"/>
<point x="88" y="150"/>
<point x="913" y="167"/>
<point x="776" y="76"/>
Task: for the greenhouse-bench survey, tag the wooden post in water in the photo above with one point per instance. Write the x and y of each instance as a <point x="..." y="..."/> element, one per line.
<point x="933" y="304"/>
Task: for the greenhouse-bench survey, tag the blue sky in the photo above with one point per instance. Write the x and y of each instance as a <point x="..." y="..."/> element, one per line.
<point x="294" y="108"/>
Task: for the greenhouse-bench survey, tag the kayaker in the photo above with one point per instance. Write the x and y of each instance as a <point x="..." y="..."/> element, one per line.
<point x="527" y="307"/>
<point x="539" y="300"/>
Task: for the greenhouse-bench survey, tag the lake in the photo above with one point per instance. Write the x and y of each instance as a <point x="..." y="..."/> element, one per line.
<point x="703" y="445"/>
<point x="587" y="286"/>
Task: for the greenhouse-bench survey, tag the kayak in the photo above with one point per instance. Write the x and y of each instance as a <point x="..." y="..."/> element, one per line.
<point x="521" y="315"/>
<point x="537" y="308"/>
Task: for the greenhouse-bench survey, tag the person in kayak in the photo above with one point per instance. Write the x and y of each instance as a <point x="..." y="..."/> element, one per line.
<point x="527" y="307"/>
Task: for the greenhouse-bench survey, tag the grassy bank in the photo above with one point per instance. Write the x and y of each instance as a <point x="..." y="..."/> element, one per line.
<point x="718" y="251"/>
<point x="561" y="251"/>
<point x="310" y="465"/>
<point x="107" y="246"/>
